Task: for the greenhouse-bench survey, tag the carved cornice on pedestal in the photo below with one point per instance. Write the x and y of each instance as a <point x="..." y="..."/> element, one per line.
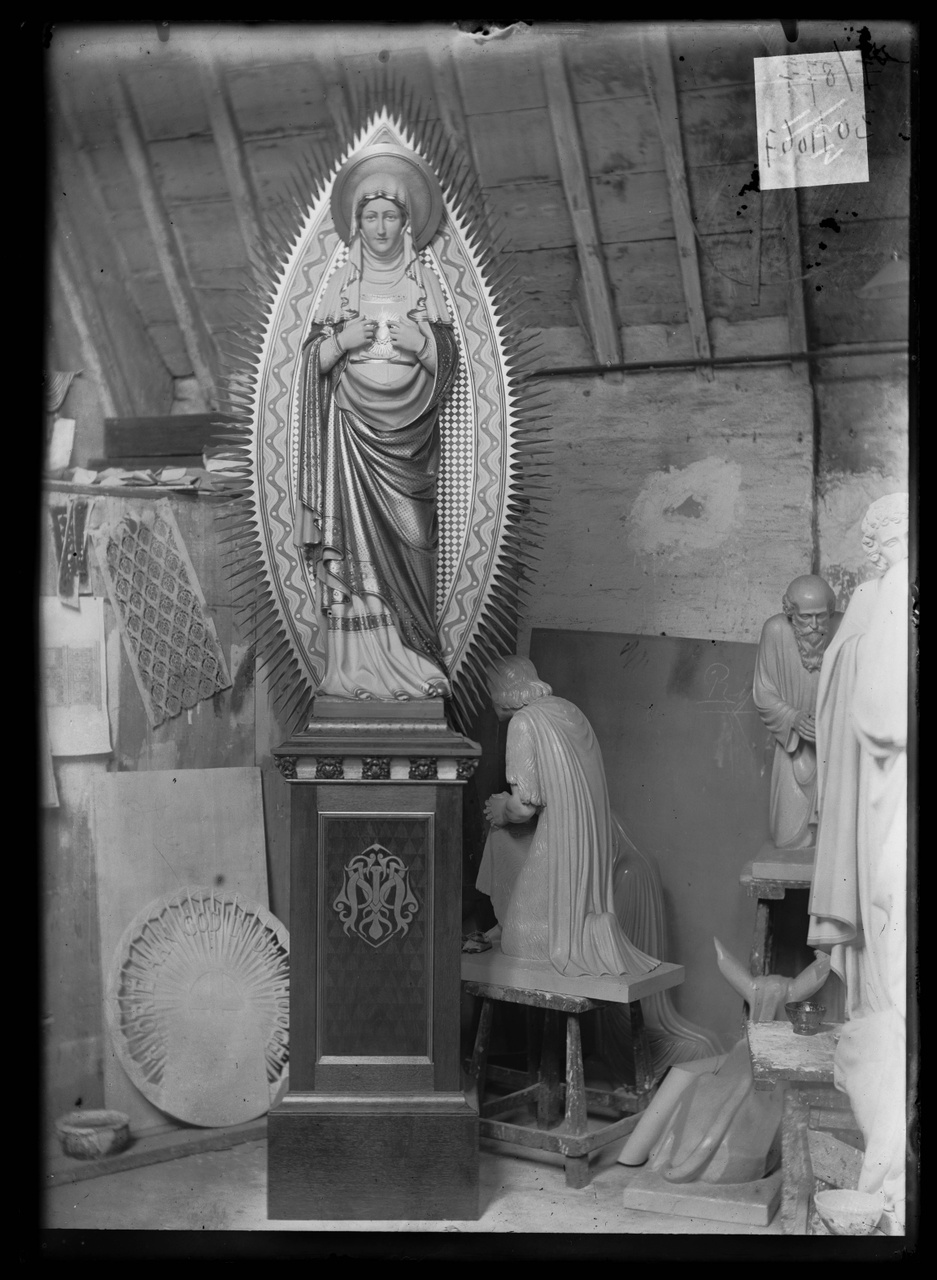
<point x="422" y="768"/>
<point x="344" y="748"/>
<point x="375" y="768"/>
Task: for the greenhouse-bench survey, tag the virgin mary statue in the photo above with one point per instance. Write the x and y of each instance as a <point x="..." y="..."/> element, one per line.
<point x="379" y="359"/>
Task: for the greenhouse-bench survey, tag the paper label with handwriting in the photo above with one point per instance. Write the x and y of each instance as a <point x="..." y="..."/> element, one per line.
<point x="812" y="126"/>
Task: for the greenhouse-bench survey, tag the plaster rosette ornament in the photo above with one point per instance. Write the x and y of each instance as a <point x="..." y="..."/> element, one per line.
<point x="337" y="544"/>
<point x="198" y="1006"/>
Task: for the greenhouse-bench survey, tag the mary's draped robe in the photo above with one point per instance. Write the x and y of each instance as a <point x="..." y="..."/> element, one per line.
<point x="366" y="494"/>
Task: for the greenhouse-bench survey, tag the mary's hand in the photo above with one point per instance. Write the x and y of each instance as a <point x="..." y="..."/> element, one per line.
<point x="357" y="333"/>
<point x="407" y="336"/>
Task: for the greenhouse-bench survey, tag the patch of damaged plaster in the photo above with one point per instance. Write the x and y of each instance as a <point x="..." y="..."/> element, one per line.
<point x="682" y="510"/>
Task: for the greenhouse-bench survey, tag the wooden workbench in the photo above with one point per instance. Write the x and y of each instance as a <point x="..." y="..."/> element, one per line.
<point x="803" y="1067"/>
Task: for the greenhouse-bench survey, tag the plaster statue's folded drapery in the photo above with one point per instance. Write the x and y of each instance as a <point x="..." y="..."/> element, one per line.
<point x="562" y="907"/>
<point x="858" y="903"/>
<point x="368" y="457"/>
<point x="782" y="689"/>
<point x="639" y="906"/>
<point x="707" y="1121"/>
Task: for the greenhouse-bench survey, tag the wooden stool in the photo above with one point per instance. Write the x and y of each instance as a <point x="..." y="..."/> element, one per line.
<point x="542" y="1087"/>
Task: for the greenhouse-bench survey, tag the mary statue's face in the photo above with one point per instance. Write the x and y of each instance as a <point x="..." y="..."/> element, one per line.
<point x="382" y="226"/>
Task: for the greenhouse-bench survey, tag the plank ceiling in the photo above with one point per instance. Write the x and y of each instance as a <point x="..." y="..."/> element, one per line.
<point x="620" y="162"/>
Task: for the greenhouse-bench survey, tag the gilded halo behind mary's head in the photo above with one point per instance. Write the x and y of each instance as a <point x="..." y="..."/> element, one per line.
<point x="384" y="159"/>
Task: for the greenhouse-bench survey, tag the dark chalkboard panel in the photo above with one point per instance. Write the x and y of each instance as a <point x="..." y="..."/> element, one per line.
<point x="688" y="763"/>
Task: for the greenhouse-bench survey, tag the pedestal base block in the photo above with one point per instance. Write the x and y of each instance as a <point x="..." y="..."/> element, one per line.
<point x="410" y="1159"/>
<point x="753" y="1204"/>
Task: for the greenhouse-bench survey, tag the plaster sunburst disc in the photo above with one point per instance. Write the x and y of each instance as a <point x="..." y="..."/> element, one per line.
<point x="198" y="1006"/>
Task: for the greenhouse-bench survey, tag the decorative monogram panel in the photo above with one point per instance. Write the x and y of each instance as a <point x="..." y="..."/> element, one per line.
<point x="375" y="935"/>
<point x="376" y="900"/>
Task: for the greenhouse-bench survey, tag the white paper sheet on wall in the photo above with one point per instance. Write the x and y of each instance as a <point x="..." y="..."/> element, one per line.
<point x="812" y="127"/>
<point x="74" y="677"/>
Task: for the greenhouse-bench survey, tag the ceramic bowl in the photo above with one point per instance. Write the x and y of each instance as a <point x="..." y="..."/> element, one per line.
<point x="88" y="1135"/>
<point x="849" y="1213"/>
<point x="806" y="1016"/>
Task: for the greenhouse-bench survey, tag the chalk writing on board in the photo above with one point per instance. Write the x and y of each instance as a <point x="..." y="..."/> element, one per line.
<point x="812" y="125"/>
<point x="724" y="697"/>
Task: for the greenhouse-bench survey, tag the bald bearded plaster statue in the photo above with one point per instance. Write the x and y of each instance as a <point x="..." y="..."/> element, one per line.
<point x="787" y="675"/>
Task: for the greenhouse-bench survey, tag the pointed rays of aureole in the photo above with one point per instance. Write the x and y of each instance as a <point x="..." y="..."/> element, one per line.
<point x="494" y="630"/>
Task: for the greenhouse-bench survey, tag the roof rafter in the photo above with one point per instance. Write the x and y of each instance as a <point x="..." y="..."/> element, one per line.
<point x="444" y="71"/>
<point x="785" y="201"/>
<point x="89" y="325"/>
<point x="93" y="274"/>
<point x="662" y="90"/>
<point x="597" y="292"/>
<point x="230" y="146"/>
<point x="196" y="335"/>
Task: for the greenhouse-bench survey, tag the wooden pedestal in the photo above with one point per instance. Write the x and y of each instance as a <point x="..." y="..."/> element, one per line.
<point x="376" y="1124"/>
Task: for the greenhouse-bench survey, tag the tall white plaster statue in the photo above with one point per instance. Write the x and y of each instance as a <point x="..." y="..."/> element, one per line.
<point x="858" y="902"/>
<point x="559" y="904"/>
<point x="787" y="674"/>
<point x="380" y="358"/>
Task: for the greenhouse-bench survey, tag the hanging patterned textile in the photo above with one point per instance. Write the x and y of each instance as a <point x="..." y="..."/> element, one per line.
<point x="168" y="635"/>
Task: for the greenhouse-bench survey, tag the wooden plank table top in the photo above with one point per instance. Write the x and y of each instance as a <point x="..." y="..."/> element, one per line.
<point x="774" y="871"/>
<point x="496" y="969"/>
<point x="778" y="1054"/>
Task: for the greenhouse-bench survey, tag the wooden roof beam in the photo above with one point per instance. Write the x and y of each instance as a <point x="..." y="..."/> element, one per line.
<point x="92" y="276"/>
<point x="444" y="69"/>
<point x="196" y="335"/>
<point x="784" y="200"/>
<point x="92" y="272"/>
<point x="597" y="292"/>
<point x="336" y="96"/>
<point x="91" y="328"/>
<point x="662" y="90"/>
<point x="233" y="157"/>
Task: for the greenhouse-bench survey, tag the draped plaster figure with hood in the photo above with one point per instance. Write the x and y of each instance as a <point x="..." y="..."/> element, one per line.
<point x="379" y="359"/>
<point x="858" y="900"/>
<point x="559" y="906"/>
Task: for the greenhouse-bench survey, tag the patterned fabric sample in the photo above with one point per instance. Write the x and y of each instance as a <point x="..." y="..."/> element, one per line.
<point x="168" y="635"/>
